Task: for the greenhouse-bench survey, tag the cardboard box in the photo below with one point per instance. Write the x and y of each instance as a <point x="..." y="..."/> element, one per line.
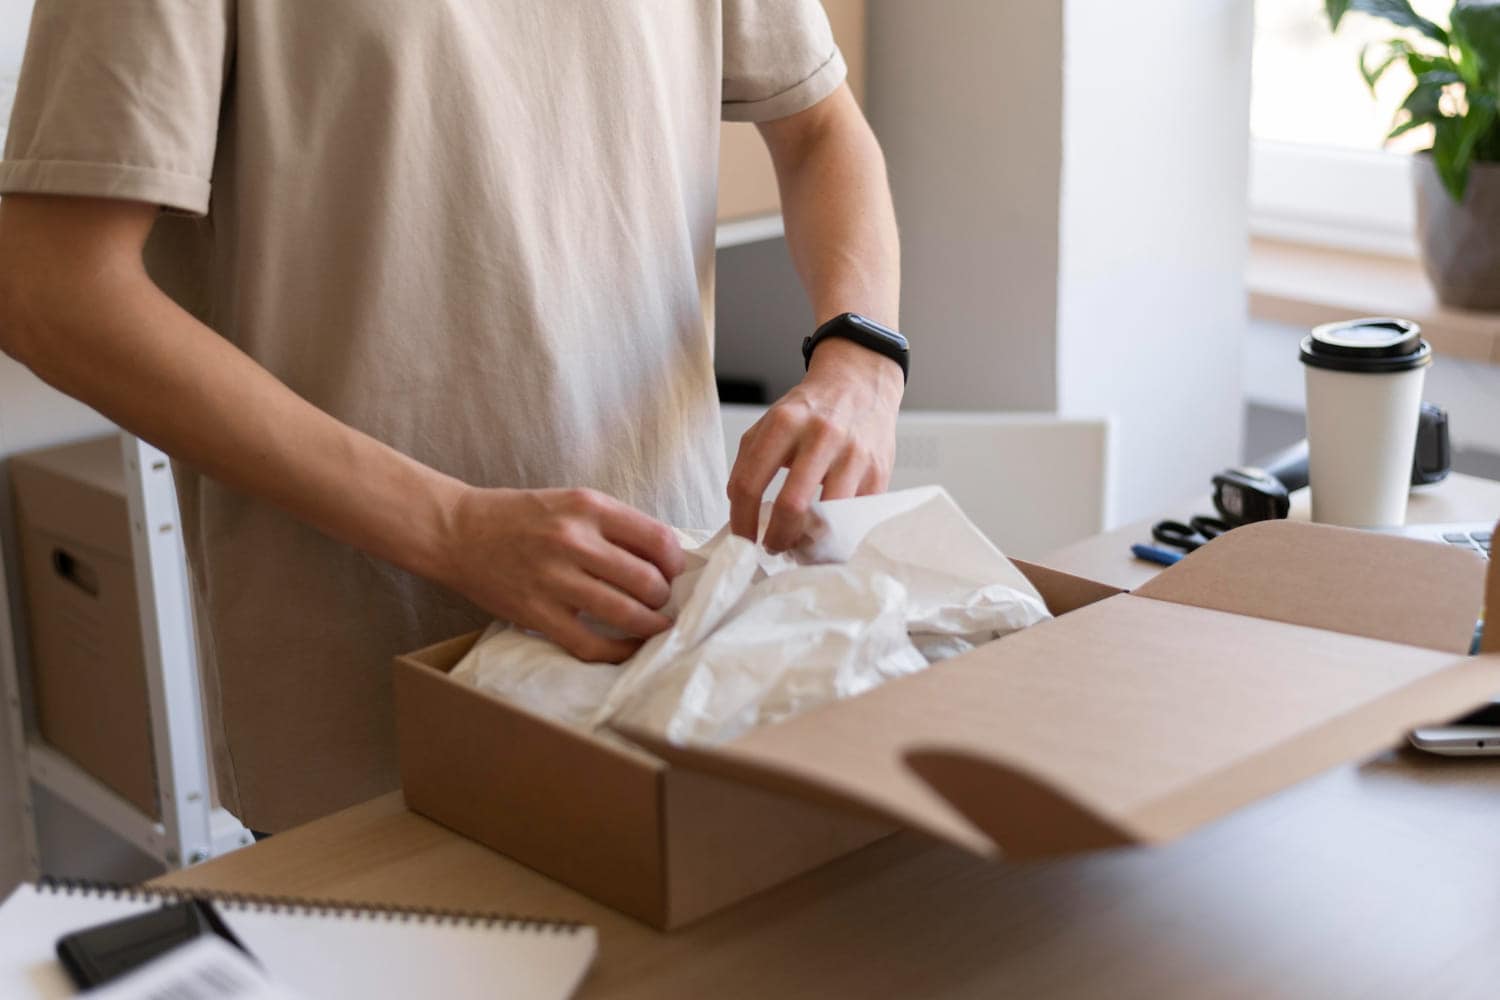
<point x="663" y="845"/>
<point x="1277" y="652"/>
<point x="88" y="671"/>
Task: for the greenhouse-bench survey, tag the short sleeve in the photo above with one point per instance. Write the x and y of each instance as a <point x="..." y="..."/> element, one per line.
<point x="120" y="99"/>
<point x="779" y="58"/>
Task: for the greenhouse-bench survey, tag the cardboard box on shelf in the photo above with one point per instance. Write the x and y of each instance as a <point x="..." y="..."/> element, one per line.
<point x="1278" y="651"/>
<point x="83" y="622"/>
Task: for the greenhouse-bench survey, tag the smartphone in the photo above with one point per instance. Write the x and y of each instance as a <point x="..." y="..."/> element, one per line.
<point x="1474" y="735"/>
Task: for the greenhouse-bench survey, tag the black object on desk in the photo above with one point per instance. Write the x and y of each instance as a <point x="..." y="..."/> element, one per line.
<point x="98" y="954"/>
<point x="1199" y="531"/>
<point x="1245" y="494"/>
<point x="1434" y="455"/>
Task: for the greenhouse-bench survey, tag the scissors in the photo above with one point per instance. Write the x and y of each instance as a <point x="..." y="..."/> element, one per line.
<point x="1199" y="531"/>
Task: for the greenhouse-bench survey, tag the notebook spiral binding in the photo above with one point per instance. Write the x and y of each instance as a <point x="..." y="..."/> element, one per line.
<point x="259" y="903"/>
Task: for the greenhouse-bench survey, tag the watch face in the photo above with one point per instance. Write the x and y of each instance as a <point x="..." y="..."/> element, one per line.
<point x="883" y="332"/>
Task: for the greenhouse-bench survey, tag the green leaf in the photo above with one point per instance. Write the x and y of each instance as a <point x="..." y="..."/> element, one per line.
<point x="1467" y="62"/>
<point x="1426" y="95"/>
<point x="1372" y="74"/>
<point x="1398" y="12"/>
<point x="1480" y="119"/>
<point x="1407" y="126"/>
<point x="1423" y="105"/>
<point x="1444" y="147"/>
<point x="1477" y="23"/>
<point x="1420" y="62"/>
<point x="1453" y="146"/>
<point x="1438" y="78"/>
<point x="1487" y="149"/>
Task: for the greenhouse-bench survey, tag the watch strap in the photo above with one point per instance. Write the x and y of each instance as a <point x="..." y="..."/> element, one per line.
<point x="866" y="333"/>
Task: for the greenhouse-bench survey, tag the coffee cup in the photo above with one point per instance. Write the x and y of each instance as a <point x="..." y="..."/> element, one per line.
<point x="1364" y="397"/>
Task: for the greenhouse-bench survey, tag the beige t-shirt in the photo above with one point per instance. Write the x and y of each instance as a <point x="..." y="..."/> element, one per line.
<point x="480" y="230"/>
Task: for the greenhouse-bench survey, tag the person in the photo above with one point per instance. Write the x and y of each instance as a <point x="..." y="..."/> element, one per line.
<point x="418" y="296"/>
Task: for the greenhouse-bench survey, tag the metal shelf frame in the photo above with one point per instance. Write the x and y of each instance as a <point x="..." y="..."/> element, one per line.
<point x="191" y="829"/>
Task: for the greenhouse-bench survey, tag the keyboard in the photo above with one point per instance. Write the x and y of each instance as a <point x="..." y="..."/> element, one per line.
<point x="1476" y="536"/>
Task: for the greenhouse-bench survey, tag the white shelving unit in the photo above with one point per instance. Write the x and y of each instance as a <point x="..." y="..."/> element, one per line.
<point x="192" y="828"/>
<point x="737" y="232"/>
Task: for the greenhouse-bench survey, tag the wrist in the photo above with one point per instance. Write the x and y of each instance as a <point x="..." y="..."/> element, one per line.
<point x="436" y="550"/>
<point x="846" y="361"/>
<point x="874" y="337"/>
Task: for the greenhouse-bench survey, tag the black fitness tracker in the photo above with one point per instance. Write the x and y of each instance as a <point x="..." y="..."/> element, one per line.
<point x="866" y="333"/>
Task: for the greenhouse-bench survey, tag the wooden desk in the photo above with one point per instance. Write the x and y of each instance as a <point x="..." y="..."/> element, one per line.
<point x="1377" y="880"/>
<point x="1106" y="557"/>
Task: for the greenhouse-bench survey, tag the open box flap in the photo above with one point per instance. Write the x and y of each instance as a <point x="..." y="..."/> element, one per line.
<point x="1362" y="583"/>
<point x="979" y="787"/>
<point x="1103" y="721"/>
<point x="1064" y="592"/>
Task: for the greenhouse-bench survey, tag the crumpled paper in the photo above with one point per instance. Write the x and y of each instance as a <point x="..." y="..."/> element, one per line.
<point x="883" y="586"/>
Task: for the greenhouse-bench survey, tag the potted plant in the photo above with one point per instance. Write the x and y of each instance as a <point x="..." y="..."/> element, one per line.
<point x="1456" y="90"/>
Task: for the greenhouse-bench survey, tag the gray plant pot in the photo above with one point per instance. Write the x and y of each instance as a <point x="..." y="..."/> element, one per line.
<point x="1460" y="242"/>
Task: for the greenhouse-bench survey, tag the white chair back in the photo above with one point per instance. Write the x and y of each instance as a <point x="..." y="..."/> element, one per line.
<point x="1032" y="482"/>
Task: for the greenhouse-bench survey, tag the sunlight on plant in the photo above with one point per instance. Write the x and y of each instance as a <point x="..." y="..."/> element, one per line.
<point x="1305" y="90"/>
<point x="1455" y="74"/>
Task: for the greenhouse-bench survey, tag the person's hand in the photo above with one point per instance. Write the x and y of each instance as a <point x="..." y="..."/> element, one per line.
<point x="836" y="430"/>
<point x="540" y="558"/>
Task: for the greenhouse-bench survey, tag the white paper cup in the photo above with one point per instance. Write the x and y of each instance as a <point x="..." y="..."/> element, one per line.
<point x="1364" y="397"/>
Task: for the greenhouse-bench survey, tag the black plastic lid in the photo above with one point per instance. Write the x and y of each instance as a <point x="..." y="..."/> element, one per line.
<point x="1380" y="345"/>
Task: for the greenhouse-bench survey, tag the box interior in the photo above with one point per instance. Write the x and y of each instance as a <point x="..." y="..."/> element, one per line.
<point x="1133" y="718"/>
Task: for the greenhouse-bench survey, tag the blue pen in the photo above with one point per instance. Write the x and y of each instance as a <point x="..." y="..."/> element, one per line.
<point x="1151" y="553"/>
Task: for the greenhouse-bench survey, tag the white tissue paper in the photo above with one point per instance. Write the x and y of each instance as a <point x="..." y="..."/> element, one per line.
<point x="884" y="586"/>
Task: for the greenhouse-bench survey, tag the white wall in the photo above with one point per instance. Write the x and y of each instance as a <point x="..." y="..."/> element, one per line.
<point x="1070" y="179"/>
<point x="966" y="98"/>
<point x="1151" y="302"/>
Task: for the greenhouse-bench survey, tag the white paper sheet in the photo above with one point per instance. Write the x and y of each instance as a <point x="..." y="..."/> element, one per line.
<point x="885" y="585"/>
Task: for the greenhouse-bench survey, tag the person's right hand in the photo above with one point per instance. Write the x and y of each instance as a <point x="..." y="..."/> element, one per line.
<point x="540" y="558"/>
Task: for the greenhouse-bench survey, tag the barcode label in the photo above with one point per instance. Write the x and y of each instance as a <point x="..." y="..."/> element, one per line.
<point x="207" y="982"/>
<point x="205" y="969"/>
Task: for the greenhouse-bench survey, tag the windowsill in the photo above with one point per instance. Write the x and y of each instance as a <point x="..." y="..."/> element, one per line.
<point x="1303" y="286"/>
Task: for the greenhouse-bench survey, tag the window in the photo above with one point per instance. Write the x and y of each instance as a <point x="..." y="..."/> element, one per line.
<point x="1320" y="171"/>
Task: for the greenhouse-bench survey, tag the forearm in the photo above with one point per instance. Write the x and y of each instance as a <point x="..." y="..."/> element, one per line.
<point x="836" y="430"/>
<point x="105" y="334"/>
<point x="840" y="223"/>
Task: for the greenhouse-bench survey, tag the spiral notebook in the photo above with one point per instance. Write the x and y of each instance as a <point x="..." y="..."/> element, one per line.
<point x="316" y="948"/>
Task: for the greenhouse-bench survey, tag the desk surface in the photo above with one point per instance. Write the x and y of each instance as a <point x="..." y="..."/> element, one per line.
<point x="1376" y="880"/>
<point x="1107" y="557"/>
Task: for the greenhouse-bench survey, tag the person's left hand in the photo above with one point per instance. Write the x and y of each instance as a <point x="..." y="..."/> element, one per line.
<point x="835" y="430"/>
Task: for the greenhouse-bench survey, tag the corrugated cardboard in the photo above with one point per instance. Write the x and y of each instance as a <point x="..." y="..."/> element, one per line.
<point x="663" y="845"/>
<point x="1278" y="651"/>
<point x="83" y="622"/>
